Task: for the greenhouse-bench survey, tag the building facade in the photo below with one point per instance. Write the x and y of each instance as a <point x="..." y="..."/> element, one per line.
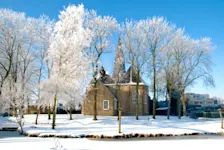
<point x="200" y="99"/>
<point x="108" y="92"/>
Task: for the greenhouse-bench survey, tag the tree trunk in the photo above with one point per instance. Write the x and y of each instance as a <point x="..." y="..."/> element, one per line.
<point x="7" y="72"/>
<point x="39" y="80"/>
<point x="117" y="94"/>
<point x="183" y="103"/>
<point x="22" y="111"/>
<point x="38" y="112"/>
<point x="143" y="102"/>
<point x="70" y="112"/>
<point x="54" y="111"/>
<point x="119" y="126"/>
<point x="95" y="103"/>
<point x="154" y="86"/>
<point x="169" y="102"/>
<point x="179" y="107"/>
<point x="1" y="88"/>
<point x="137" y="88"/>
<point x="221" y="117"/>
<point x="20" y="122"/>
<point x="95" y="93"/>
<point x="118" y="104"/>
<point x="15" y="111"/>
<point x="49" y="112"/>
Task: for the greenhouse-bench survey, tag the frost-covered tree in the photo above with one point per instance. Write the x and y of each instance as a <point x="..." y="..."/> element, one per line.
<point x="67" y="51"/>
<point x="168" y="72"/>
<point x="133" y="41"/>
<point x="193" y="63"/>
<point x="17" y="61"/>
<point x="183" y="62"/>
<point x="119" y="71"/>
<point x="102" y="28"/>
<point x="11" y="40"/>
<point x="158" y="35"/>
<point x="72" y="96"/>
<point x="44" y="29"/>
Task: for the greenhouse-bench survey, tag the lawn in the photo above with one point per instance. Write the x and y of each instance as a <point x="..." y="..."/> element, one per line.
<point x="108" y="126"/>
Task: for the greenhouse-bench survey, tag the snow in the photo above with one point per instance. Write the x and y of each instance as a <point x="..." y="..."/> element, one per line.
<point x="6" y="123"/>
<point x="28" y="143"/>
<point x="130" y="83"/>
<point x="162" y="108"/>
<point x="108" y="126"/>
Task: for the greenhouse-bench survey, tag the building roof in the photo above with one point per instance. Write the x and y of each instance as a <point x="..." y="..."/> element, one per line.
<point x="106" y="79"/>
<point x="127" y="78"/>
<point x="119" y="62"/>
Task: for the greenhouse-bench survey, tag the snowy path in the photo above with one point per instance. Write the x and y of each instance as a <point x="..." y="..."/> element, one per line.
<point x="12" y="141"/>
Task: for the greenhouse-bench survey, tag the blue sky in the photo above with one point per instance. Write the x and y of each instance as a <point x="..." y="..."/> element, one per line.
<point x="199" y="18"/>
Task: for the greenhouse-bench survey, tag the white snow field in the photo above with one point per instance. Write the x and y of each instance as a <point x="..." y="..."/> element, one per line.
<point x="7" y="123"/>
<point x="30" y="143"/>
<point x="108" y="126"/>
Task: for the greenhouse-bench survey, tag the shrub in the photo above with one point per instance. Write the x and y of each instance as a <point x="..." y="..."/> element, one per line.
<point x="212" y="114"/>
<point x="5" y="114"/>
<point x="196" y="114"/>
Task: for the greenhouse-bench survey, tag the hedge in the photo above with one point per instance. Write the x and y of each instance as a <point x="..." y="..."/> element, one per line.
<point x="212" y="114"/>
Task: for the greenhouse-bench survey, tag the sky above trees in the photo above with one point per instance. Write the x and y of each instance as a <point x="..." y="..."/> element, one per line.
<point x="199" y="18"/>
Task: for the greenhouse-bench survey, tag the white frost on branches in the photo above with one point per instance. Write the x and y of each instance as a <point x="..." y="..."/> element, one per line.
<point x="67" y="52"/>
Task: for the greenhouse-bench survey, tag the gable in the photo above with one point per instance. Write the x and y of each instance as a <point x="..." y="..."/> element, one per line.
<point x="126" y="77"/>
<point x="102" y="88"/>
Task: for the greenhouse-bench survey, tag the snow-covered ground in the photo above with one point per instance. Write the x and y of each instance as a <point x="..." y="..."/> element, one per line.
<point x="5" y="122"/>
<point x="108" y="126"/>
<point x="14" y="141"/>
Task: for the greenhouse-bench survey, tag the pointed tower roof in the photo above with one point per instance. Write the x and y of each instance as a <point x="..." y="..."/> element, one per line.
<point x="119" y="63"/>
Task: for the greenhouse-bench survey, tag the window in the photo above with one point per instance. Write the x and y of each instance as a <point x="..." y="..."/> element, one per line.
<point x="115" y="103"/>
<point x="106" y="105"/>
<point x="146" y="99"/>
<point x="133" y="96"/>
<point x="146" y="96"/>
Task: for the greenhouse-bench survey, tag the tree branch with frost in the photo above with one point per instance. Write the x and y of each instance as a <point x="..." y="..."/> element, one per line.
<point x="133" y="43"/>
<point x="158" y="34"/>
<point x="102" y="28"/>
<point x="193" y="62"/>
<point x="67" y="49"/>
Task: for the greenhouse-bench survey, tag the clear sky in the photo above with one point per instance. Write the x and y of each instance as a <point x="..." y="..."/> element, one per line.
<point x="199" y="18"/>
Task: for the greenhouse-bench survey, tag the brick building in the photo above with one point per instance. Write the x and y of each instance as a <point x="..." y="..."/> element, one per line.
<point x="107" y="94"/>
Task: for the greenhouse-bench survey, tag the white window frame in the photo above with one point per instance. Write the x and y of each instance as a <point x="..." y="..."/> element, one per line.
<point x="108" y="105"/>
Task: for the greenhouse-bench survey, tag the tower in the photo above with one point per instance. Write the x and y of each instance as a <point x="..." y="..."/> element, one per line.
<point x="119" y="62"/>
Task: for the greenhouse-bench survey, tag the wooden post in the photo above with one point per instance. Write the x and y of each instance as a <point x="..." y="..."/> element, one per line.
<point x="221" y="117"/>
<point x="119" y="126"/>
